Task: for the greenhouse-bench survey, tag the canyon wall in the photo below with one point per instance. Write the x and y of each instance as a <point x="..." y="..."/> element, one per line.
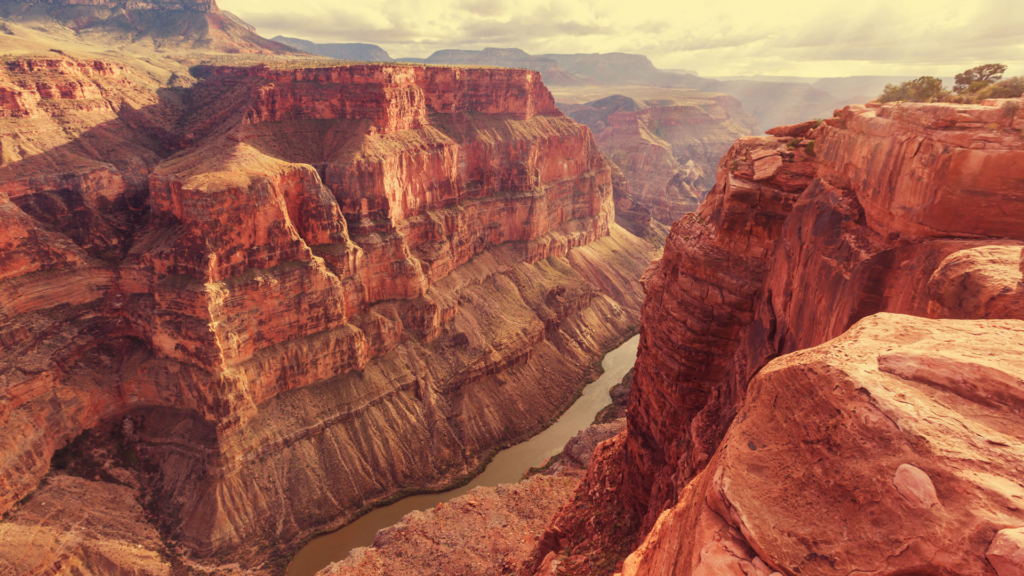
<point x="292" y="292"/>
<point x="828" y="379"/>
<point x="667" y="149"/>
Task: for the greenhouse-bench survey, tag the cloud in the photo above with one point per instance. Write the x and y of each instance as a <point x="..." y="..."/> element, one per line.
<point x="821" y="38"/>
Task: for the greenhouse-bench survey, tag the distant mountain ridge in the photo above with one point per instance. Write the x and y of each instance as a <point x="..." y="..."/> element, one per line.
<point x="771" y="103"/>
<point x="174" y="24"/>
<point x="549" y="68"/>
<point x="616" y="68"/>
<point x="342" y="51"/>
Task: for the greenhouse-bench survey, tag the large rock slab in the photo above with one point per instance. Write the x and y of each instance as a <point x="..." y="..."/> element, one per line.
<point x="896" y="448"/>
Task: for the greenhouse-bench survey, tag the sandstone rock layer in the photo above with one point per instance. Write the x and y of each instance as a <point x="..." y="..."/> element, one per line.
<point x="908" y="437"/>
<point x="744" y="455"/>
<point x="487" y="531"/>
<point x="310" y="288"/>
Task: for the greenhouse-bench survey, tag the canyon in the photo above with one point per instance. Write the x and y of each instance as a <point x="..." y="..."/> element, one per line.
<point x="829" y="374"/>
<point x="772" y="101"/>
<point x="665" y="131"/>
<point x="828" y="377"/>
<point x="248" y="295"/>
<point x="243" y="311"/>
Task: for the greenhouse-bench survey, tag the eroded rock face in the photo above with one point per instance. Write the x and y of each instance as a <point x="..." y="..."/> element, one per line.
<point x="667" y="150"/>
<point x="1006" y="553"/>
<point x="312" y="287"/>
<point x="84" y="527"/>
<point x="467" y="535"/>
<point x="908" y="209"/>
<point x="827" y="263"/>
<point x="907" y="438"/>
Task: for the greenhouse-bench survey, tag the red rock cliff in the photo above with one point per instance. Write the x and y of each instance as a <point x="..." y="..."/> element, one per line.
<point x="307" y="289"/>
<point x="756" y="443"/>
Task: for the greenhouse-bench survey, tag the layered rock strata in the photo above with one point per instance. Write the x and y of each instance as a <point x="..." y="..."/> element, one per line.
<point x="666" y="149"/>
<point x="310" y="289"/>
<point x="489" y="530"/>
<point x="162" y="24"/>
<point x="902" y="428"/>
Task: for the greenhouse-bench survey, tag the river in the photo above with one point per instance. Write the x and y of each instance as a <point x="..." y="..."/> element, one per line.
<point x="507" y="467"/>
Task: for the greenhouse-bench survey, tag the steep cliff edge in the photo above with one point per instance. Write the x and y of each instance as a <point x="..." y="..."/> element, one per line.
<point x="860" y="454"/>
<point x="295" y="291"/>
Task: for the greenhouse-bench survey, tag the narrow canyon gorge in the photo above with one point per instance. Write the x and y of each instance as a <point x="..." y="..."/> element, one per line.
<point x="238" y="314"/>
<point x="249" y="295"/>
<point x="829" y="377"/>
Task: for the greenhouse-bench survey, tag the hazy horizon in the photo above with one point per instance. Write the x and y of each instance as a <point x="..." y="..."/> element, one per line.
<point x="819" y="39"/>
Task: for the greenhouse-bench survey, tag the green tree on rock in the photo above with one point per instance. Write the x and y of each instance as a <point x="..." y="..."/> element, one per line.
<point x="924" y="89"/>
<point x="1012" y="87"/>
<point x="970" y="81"/>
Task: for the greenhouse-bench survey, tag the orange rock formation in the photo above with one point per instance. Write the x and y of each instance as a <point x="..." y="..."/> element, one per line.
<point x="467" y="535"/>
<point x="828" y="379"/>
<point x="306" y="289"/>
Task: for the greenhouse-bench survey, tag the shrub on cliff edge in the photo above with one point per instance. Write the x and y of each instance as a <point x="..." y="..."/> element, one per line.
<point x="1009" y="88"/>
<point x="924" y="89"/>
<point x="977" y="78"/>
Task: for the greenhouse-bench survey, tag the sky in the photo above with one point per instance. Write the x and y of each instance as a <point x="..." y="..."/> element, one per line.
<point x="812" y="38"/>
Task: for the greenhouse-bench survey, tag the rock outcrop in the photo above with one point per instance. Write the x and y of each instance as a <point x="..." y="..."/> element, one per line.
<point x="754" y="444"/>
<point x="162" y="24"/>
<point x="85" y="527"/>
<point x="899" y="438"/>
<point x="465" y="536"/>
<point x="666" y="149"/>
<point x="308" y="288"/>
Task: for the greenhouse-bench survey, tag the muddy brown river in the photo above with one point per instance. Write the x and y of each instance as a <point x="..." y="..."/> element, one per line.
<point x="507" y="467"/>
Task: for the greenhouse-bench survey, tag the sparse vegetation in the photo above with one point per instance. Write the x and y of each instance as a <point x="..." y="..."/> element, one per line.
<point x="1009" y="88"/>
<point x="924" y="89"/>
<point x="974" y="85"/>
<point x="973" y="80"/>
